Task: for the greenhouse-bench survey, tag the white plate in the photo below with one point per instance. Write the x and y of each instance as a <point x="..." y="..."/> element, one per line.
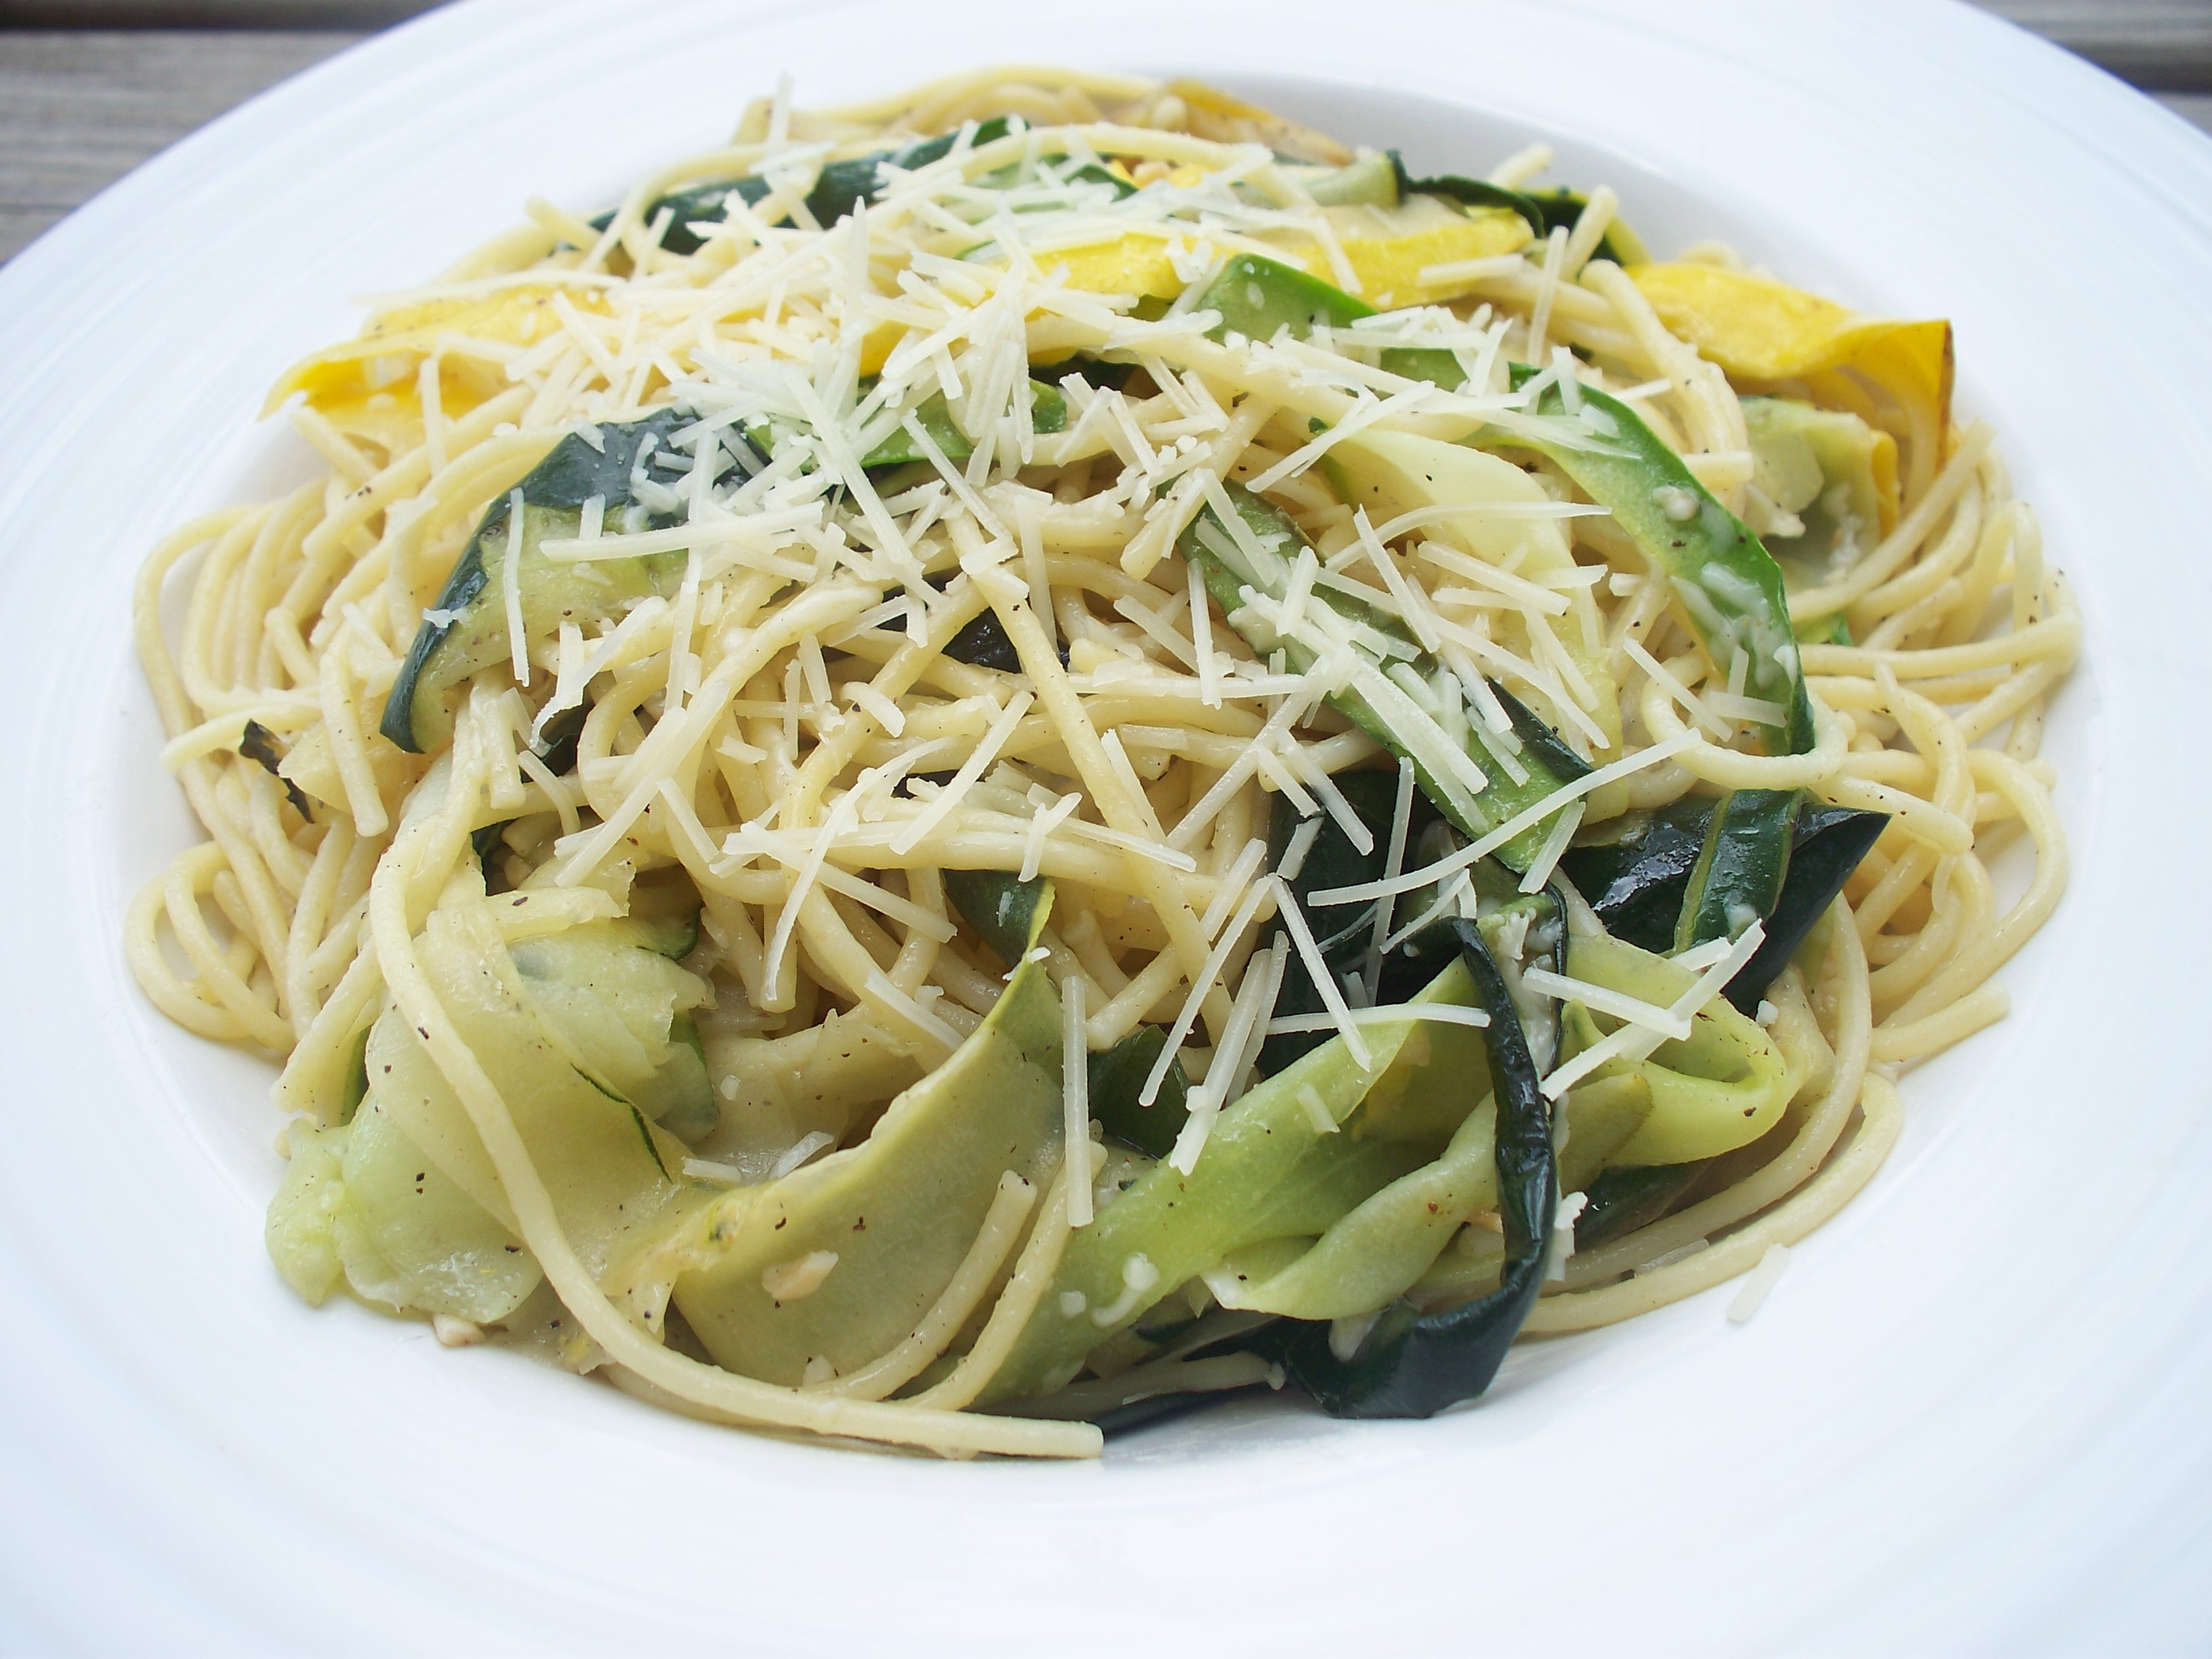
<point x="1970" y="1415"/>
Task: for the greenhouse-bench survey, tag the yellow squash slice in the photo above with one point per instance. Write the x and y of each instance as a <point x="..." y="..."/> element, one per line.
<point x="1766" y="335"/>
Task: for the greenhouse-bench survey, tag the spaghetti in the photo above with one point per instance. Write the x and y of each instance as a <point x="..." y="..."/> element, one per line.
<point x="1052" y="744"/>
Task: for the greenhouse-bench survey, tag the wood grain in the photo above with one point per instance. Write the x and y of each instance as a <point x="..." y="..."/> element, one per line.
<point x="2160" y="45"/>
<point x="79" y="109"/>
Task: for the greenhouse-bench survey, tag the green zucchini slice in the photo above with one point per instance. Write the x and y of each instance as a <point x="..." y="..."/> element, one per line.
<point x="1737" y="880"/>
<point x="1117" y="1079"/>
<point x="1266" y="1172"/>
<point x="840" y="1259"/>
<point x="1727" y="582"/>
<point x="1634" y="870"/>
<point x="839" y="188"/>
<point x="591" y="1040"/>
<point x="1826" y="469"/>
<point x="1409" y="1363"/>
<point x="1830" y="841"/>
<point x="466" y="629"/>
<point x="1379" y="700"/>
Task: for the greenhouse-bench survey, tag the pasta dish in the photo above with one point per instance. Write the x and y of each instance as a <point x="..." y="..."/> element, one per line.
<point x="1002" y="761"/>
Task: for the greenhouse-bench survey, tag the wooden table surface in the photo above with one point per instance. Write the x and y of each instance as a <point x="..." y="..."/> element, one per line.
<point x="89" y="88"/>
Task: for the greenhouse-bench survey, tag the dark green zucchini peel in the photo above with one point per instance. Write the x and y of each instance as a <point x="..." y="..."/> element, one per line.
<point x="1634" y="878"/>
<point x="839" y="188"/>
<point x="1545" y="210"/>
<point x="1828" y="843"/>
<point x="469" y="631"/>
<point x="1117" y="1077"/>
<point x="1640" y="883"/>
<point x="1414" y="1364"/>
<point x="259" y="744"/>
<point x="1738" y="876"/>
<point x="1548" y="749"/>
<point x="1622" y="1201"/>
<point x="1470" y="192"/>
<point x="1208" y="545"/>
<point x="985" y="643"/>
<point x="996" y="907"/>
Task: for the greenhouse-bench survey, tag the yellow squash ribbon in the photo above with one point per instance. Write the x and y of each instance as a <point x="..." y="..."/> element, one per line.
<point x="1765" y="335"/>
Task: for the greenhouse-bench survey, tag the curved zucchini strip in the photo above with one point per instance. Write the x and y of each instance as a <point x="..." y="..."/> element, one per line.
<point x="1729" y="584"/>
<point x="1545" y="211"/>
<point x="1737" y="880"/>
<point x="466" y="629"/>
<point x="1414" y="1364"/>
<point x="605" y="1165"/>
<point x="1377" y="701"/>
<point x="839" y="188"/>
<point x="1830" y="472"/>
<point x="1394" y="472"/>
<point x="1722" y="1087"/>
<point x="1635" y="877"/>
<point x="840" y="1259"/>
<point x="584" y="1033"/>
<point x="1468" y="192"/>
<point x="1829" y="844"/>
<point x="1377" y="1252"/>
<point x="613" y="992"/>
<point x="1638" y="881"/>
<point x="1257" y="297"/>
<point x="1268" y="1171"/>
<point x="411" y="1238"/>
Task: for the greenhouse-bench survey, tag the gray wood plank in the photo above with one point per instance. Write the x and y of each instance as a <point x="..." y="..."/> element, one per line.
<point x="2195" y="108"/>
<point x="20" y="227"/>
<point x="208" y="14"/>
<point x="2159" y="44"/>
<point x="80" y="109"/>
